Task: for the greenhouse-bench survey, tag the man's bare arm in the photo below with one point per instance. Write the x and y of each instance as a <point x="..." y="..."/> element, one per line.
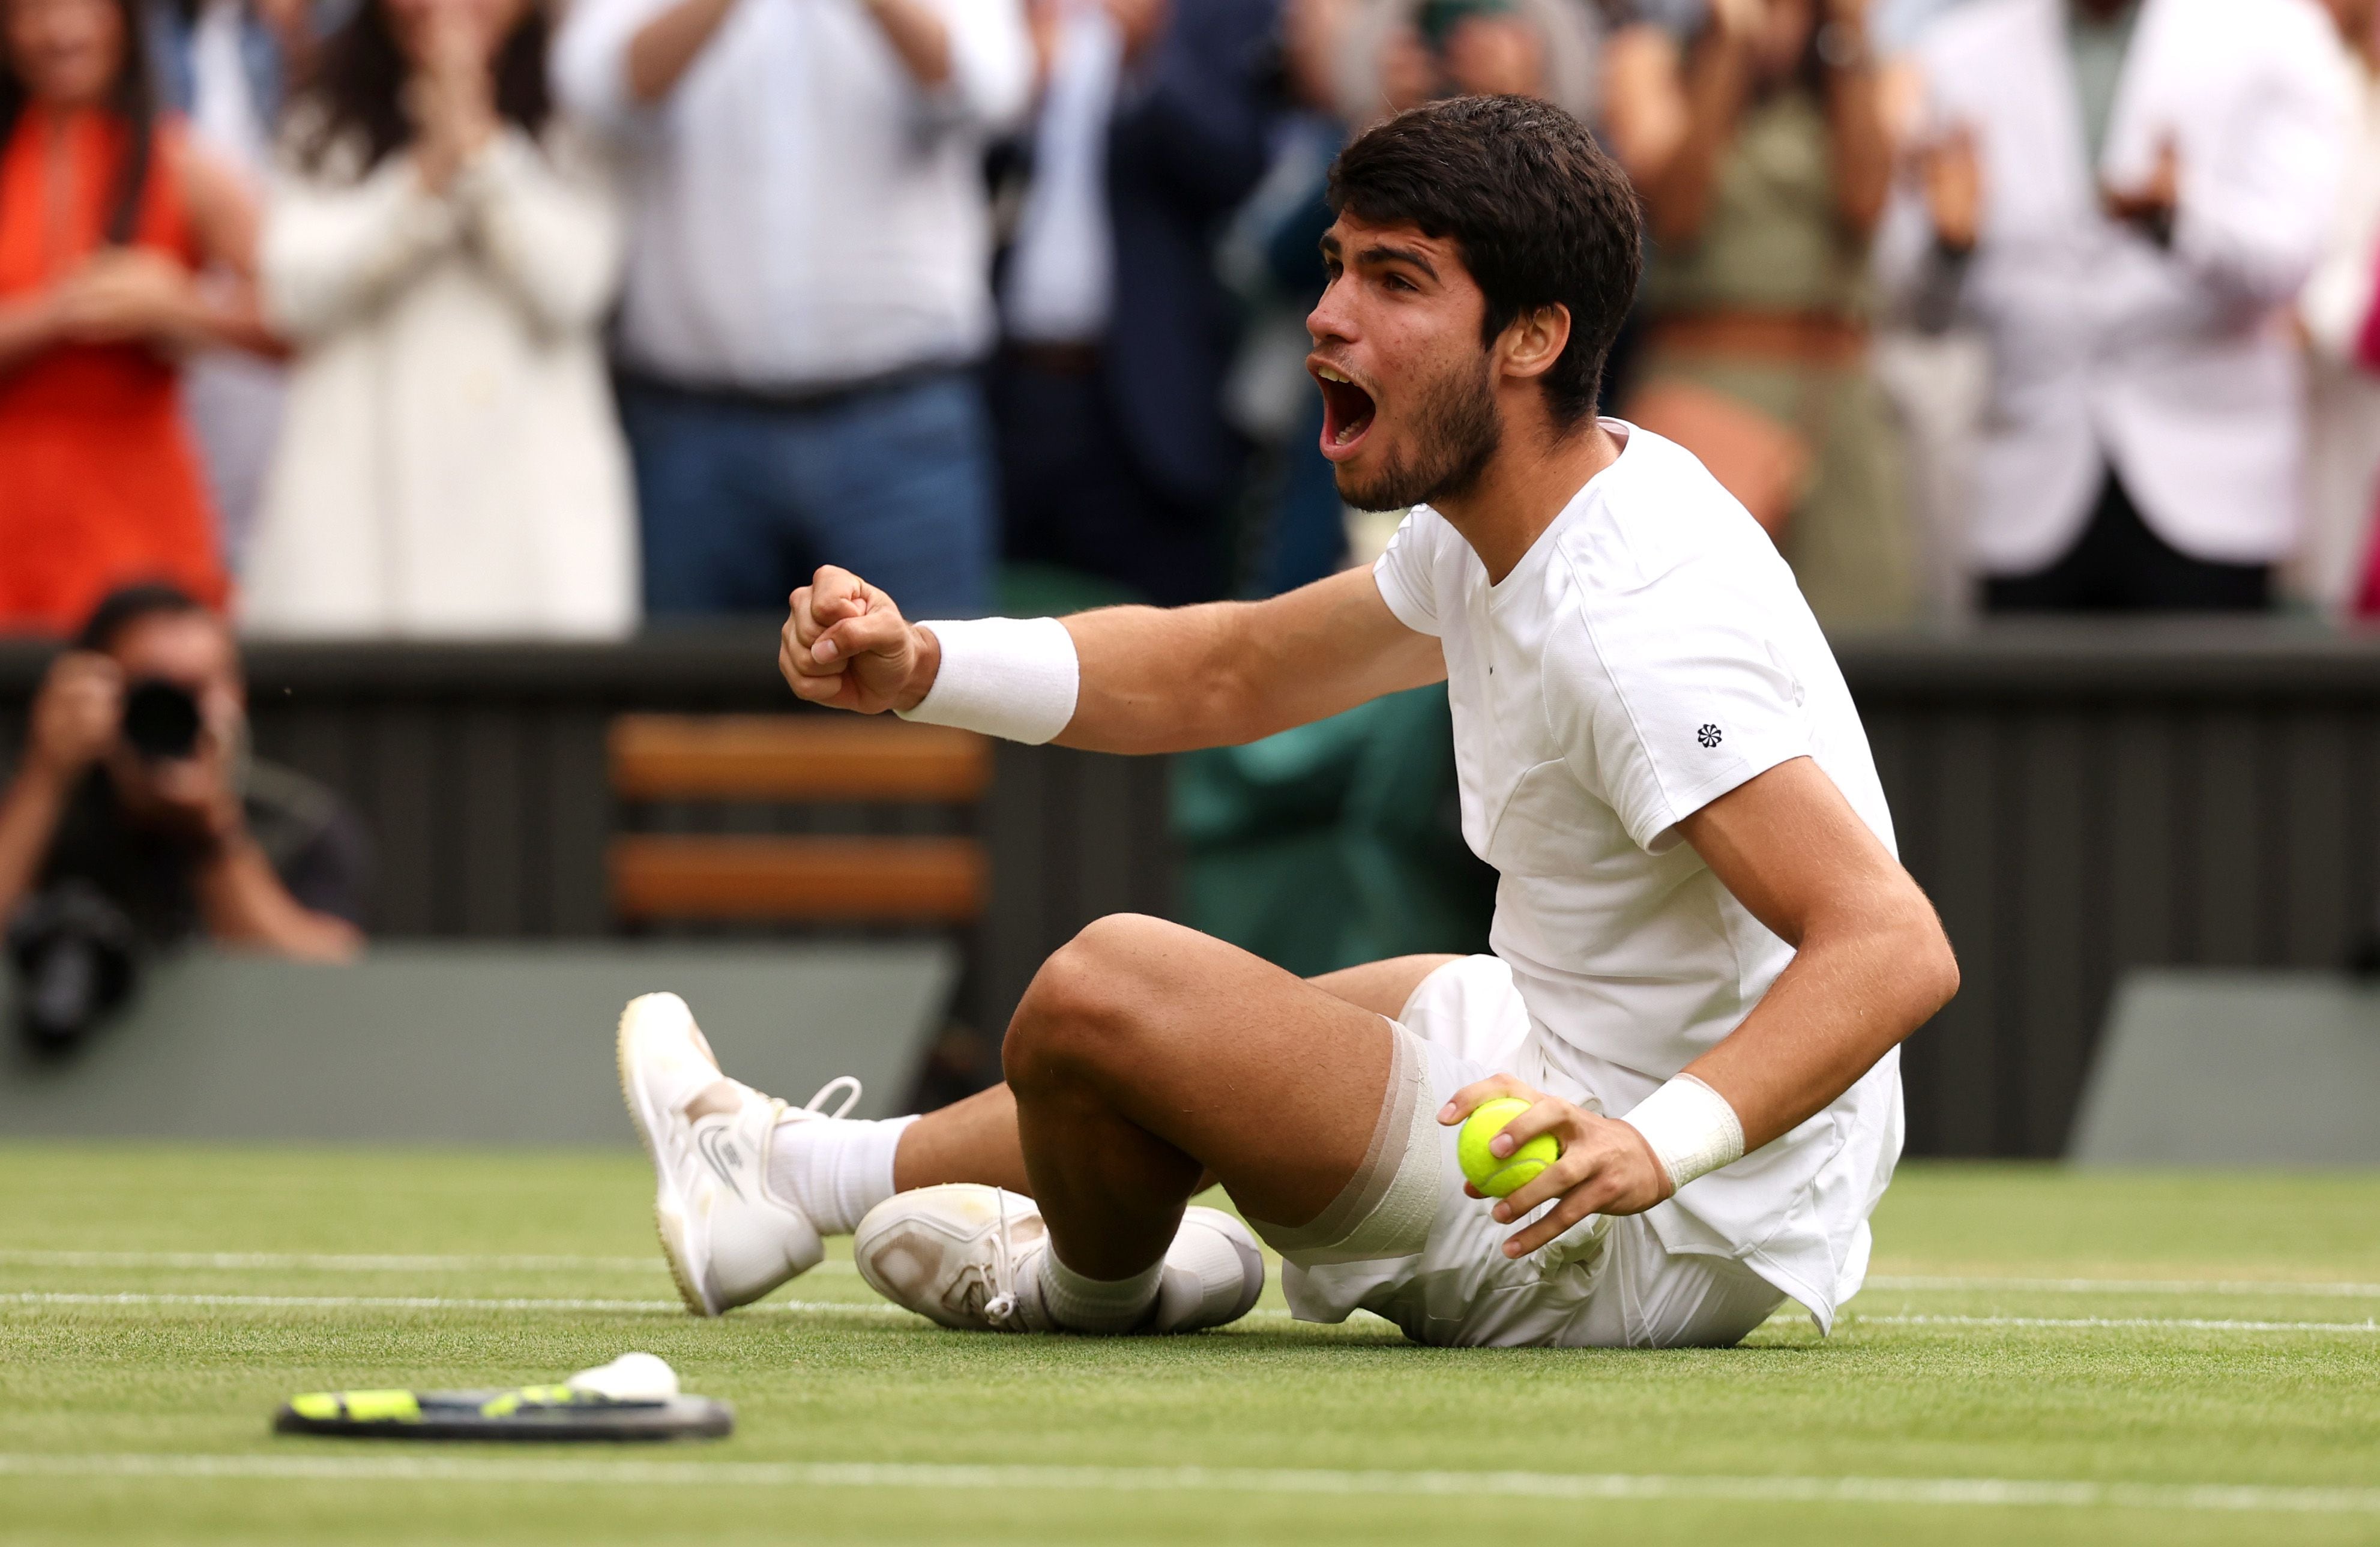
<point x="663" y="49"/>
<point x="243" y="903"/>
<point x="31" y="810"/>
<point x="74" y="720"/>
<point x="1871" y="966"/>
<point x="1153" y="680"/>
<point x="1871" y="962"/>
<point x="916" y="35"/>
<point x="1167" y="680"/>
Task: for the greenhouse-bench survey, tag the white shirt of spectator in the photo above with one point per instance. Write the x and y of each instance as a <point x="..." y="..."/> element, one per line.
<point x="1061" y="281"/>
<point x="223" y="107"/>
<point x="1648" y="655"/>
<point x="803" y="213"/>
<point x="452" y="464"/>
<point x="2174" y="365"/>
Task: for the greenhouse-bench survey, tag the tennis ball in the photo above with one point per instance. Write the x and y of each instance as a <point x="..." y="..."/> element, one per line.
<point x="1500" y="1178"/>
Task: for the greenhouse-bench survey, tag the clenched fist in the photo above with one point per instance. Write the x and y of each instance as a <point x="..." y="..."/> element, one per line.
<point x="845" y="645"/>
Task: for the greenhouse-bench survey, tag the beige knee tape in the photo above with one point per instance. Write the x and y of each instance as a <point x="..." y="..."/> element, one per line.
<point x="1386" y="1208"/>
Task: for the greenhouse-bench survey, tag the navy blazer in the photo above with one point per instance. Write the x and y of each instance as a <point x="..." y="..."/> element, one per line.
<point x="1190" y="139"/>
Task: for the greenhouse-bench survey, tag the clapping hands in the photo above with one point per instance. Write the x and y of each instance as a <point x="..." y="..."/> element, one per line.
<point x="452" y="97"/>
<point x="124" y="295"/>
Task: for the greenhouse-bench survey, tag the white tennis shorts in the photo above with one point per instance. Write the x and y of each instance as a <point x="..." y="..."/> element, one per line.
<point x="1405" y="1242"/>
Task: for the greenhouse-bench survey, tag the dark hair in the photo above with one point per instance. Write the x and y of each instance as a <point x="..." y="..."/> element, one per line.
<point x="357" y="87"/>
<point x="132" y="97"/>
<point x="125" y="605"/>
<point x="1542" y="217"/>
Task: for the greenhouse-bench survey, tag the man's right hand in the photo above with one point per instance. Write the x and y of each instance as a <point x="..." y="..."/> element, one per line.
<point x="845" y="645"/>
<point x="76" y="715"/>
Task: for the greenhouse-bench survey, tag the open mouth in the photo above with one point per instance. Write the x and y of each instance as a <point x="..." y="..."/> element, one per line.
<point x="1347" y="410"/>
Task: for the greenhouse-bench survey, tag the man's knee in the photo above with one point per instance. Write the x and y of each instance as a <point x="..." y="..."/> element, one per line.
<point x="1091" y="1002"/>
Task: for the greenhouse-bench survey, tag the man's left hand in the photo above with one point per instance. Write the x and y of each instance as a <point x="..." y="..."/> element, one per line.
<point x="1606" y="1167"/>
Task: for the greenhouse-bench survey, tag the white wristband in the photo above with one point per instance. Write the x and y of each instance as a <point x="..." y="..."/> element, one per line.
<point x="1005" y="676"/>
<point x="1690" y="1127"/>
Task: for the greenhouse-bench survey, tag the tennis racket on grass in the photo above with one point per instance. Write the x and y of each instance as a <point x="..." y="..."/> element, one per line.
<point x="635" y="1398"/>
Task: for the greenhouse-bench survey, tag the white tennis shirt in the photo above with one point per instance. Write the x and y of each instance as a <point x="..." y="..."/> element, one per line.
<point x="1648" y="655"/>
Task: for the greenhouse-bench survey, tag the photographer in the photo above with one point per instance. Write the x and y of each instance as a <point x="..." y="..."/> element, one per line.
<point x="137" y="817"/>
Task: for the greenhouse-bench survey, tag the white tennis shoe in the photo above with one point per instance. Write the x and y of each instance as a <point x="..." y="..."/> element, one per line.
<point x="969" y="1256"/>
<point x="729" y="1238"/>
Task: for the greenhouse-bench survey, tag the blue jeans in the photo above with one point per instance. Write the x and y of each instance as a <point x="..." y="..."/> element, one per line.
<point x="740" y="499"/>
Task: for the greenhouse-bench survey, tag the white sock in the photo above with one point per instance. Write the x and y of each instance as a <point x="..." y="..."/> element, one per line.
<point x="1097" y="1305"/>
<point x="835" y="1169"/>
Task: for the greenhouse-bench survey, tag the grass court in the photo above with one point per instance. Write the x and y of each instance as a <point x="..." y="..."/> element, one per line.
<point x="2041" y="1356"/>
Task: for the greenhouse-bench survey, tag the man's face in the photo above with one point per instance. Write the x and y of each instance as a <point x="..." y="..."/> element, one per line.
<point x="1409" y="404"/>
<point x="192" y="651"/>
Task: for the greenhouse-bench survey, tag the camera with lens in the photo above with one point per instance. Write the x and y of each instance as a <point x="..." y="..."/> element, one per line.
<point x="75" y="952"/>
<point x="77" y="956"/>
<point x="161" y="719"/>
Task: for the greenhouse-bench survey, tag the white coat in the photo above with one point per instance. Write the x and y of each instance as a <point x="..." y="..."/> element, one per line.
<point x="450" y="464"/>
<point x="2173" y="365"/>
<point x="2343" y="456"/>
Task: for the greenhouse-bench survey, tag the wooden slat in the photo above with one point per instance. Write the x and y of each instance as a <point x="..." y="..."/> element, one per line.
<point x="794" y="757"/>
<point x="812" y="880"/>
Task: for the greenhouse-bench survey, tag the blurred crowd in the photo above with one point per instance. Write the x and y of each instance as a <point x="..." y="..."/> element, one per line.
<point x="455" y="318"/>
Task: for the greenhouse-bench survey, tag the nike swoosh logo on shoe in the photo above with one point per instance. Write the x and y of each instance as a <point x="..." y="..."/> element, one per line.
<point x="720" y="1151"/>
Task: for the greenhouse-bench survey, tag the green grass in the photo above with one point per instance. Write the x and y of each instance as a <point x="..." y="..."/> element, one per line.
<point x="1925" y="1380"/>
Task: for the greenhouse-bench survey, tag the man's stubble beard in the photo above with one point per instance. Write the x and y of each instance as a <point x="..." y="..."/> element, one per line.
<point x="1456" y="434"/>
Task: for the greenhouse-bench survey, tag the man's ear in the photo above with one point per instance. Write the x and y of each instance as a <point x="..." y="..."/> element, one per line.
<point x="1534" y="340"/>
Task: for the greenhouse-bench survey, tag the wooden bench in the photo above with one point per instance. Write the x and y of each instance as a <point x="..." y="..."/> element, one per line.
<point x="792" y="759"/>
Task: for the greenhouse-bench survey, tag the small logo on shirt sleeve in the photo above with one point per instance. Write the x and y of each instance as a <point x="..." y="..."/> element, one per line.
<point x="1709" y="736"/>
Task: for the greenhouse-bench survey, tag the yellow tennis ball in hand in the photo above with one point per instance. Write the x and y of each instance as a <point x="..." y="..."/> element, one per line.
<point x="1500" y="1178"/>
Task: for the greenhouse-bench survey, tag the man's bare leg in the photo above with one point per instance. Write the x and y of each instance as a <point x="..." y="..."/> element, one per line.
<point x="977" y="1140"/>
<point x="1383" y="987"/>
<point x="1145" y="1061"/>
<point x="1146" y="1056"/>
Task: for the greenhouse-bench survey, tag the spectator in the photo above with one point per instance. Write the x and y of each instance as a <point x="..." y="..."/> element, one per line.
<point x="2343" y="400"/>
<point x="1116" y="457"/>
<point x="2123" y="194"/>
<point x="442" y="252"/>
<point x="225" y="66"/>
<point x="1392" y="55"/>
<point x="1935" y="379"/>
<point x="179" y="835"/>
<point x="1761" y="208"/>
<point x="106" y="213"/>
<point x="1354" y="60"/>
<point x="1898" y="22"/>
<point x="807" y="293"/>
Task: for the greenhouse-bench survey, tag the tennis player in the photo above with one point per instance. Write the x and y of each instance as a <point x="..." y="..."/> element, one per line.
<point x="1705" y="955"/>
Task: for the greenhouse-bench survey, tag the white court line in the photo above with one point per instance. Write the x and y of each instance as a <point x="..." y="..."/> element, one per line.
<point x="413" y="1302"/>
<point x="2131" y="1287"/>
<point x="360" y="1262"/>
<point x="2002" y="1492"/>
<point x="2179" y="1323"/>
<point x="448" y="1302"/>
<point x="442" y="1302"/>
<point x="346" y="1262"/>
